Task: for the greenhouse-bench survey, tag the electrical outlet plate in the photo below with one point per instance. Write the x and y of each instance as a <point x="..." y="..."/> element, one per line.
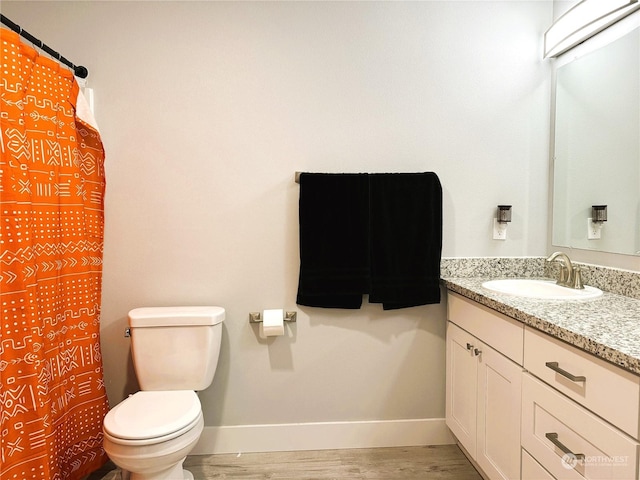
<point x="499" y="230"/>
<point x="593" y="230"/>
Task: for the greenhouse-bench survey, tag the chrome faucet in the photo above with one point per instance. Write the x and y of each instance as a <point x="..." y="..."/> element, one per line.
<point x="569" y="275"/>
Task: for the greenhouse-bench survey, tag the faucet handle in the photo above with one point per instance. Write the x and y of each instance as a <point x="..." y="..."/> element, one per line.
<point x="577" y="278"/>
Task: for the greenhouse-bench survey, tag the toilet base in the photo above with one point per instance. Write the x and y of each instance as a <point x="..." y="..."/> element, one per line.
<point x="175" y="473"/>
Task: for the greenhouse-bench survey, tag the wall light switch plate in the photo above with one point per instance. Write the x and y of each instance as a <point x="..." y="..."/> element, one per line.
<point x="593" y="230"/>
<point x="499" y="230"/>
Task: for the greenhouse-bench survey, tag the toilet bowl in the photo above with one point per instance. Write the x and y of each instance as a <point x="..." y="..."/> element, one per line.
<point x="150" y="434"/>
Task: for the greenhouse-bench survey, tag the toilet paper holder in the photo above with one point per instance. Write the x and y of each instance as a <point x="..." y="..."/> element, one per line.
<point x="256" y="317"/>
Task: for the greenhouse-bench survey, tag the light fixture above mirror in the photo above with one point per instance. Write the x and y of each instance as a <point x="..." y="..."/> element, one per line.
<point x="583" y="21"/>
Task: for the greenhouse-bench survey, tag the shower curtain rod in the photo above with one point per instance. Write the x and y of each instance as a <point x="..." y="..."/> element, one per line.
<point x="78" y="70"/>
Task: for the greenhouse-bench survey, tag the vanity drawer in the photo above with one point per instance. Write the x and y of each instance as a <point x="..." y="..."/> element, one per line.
<point x="595" y="384"/>
<point x="571" y="442"/>
<point x="532" y="470"/>
<point x="499" y="331"/>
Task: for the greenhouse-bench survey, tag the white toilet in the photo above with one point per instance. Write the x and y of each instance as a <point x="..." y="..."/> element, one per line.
<point x="175" y="352"/>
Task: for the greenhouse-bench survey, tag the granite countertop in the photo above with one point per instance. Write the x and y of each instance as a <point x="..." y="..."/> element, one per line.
<point x="607" y="327"/>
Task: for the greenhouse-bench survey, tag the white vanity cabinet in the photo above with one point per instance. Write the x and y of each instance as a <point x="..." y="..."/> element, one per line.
<point x="483" y="391"/>
<point x="525" y="405"/>
<point x="580" y="414"/>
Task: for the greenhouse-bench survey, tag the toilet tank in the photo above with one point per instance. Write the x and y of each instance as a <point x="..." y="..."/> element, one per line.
<point x="175" y="348"/>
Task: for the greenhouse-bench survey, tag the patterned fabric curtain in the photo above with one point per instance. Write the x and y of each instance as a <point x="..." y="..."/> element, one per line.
<point x="52" y="394"/>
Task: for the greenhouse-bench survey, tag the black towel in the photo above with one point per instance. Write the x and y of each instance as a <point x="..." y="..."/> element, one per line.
<point x="405" y="215"/>
<point x="379" y="234"/>
<point x="334" y="246"/>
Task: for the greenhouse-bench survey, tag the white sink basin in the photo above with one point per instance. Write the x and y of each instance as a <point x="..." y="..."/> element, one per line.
<point x="545" y="289"/>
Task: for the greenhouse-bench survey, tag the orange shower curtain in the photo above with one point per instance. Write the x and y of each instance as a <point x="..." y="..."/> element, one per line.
<point x="52" y="394"/>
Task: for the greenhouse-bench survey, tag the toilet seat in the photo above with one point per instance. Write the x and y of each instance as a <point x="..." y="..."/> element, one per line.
<point x="148" y="417"/>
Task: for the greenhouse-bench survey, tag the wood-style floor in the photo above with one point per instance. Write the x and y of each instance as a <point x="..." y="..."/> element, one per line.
<point x="442" y="462"/>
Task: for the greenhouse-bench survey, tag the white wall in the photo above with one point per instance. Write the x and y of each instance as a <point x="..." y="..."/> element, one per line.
<point x="206" y="111"/>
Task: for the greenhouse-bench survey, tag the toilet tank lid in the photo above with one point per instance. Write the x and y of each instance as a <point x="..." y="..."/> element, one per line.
<point x="175" y="316"/>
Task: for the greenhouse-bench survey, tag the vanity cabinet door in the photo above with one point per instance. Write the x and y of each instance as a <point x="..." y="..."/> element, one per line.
<point x="499" y="407"/>
<point x="462" y="387"/>
<point x="483" y="403"/>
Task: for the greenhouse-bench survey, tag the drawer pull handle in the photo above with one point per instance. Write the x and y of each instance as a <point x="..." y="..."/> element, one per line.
<point x="469" y="347"/>
<point x="553" y="438"/>
<point x="574" y="378"/>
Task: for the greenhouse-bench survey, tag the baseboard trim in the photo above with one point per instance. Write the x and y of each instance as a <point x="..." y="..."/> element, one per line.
<point x="323" y="436"/>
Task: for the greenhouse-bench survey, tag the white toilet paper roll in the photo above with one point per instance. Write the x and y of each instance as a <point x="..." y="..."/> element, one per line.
<point x="273" y="322"/>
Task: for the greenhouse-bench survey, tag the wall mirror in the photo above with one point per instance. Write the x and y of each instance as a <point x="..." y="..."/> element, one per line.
<point x="597" y="148"/>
